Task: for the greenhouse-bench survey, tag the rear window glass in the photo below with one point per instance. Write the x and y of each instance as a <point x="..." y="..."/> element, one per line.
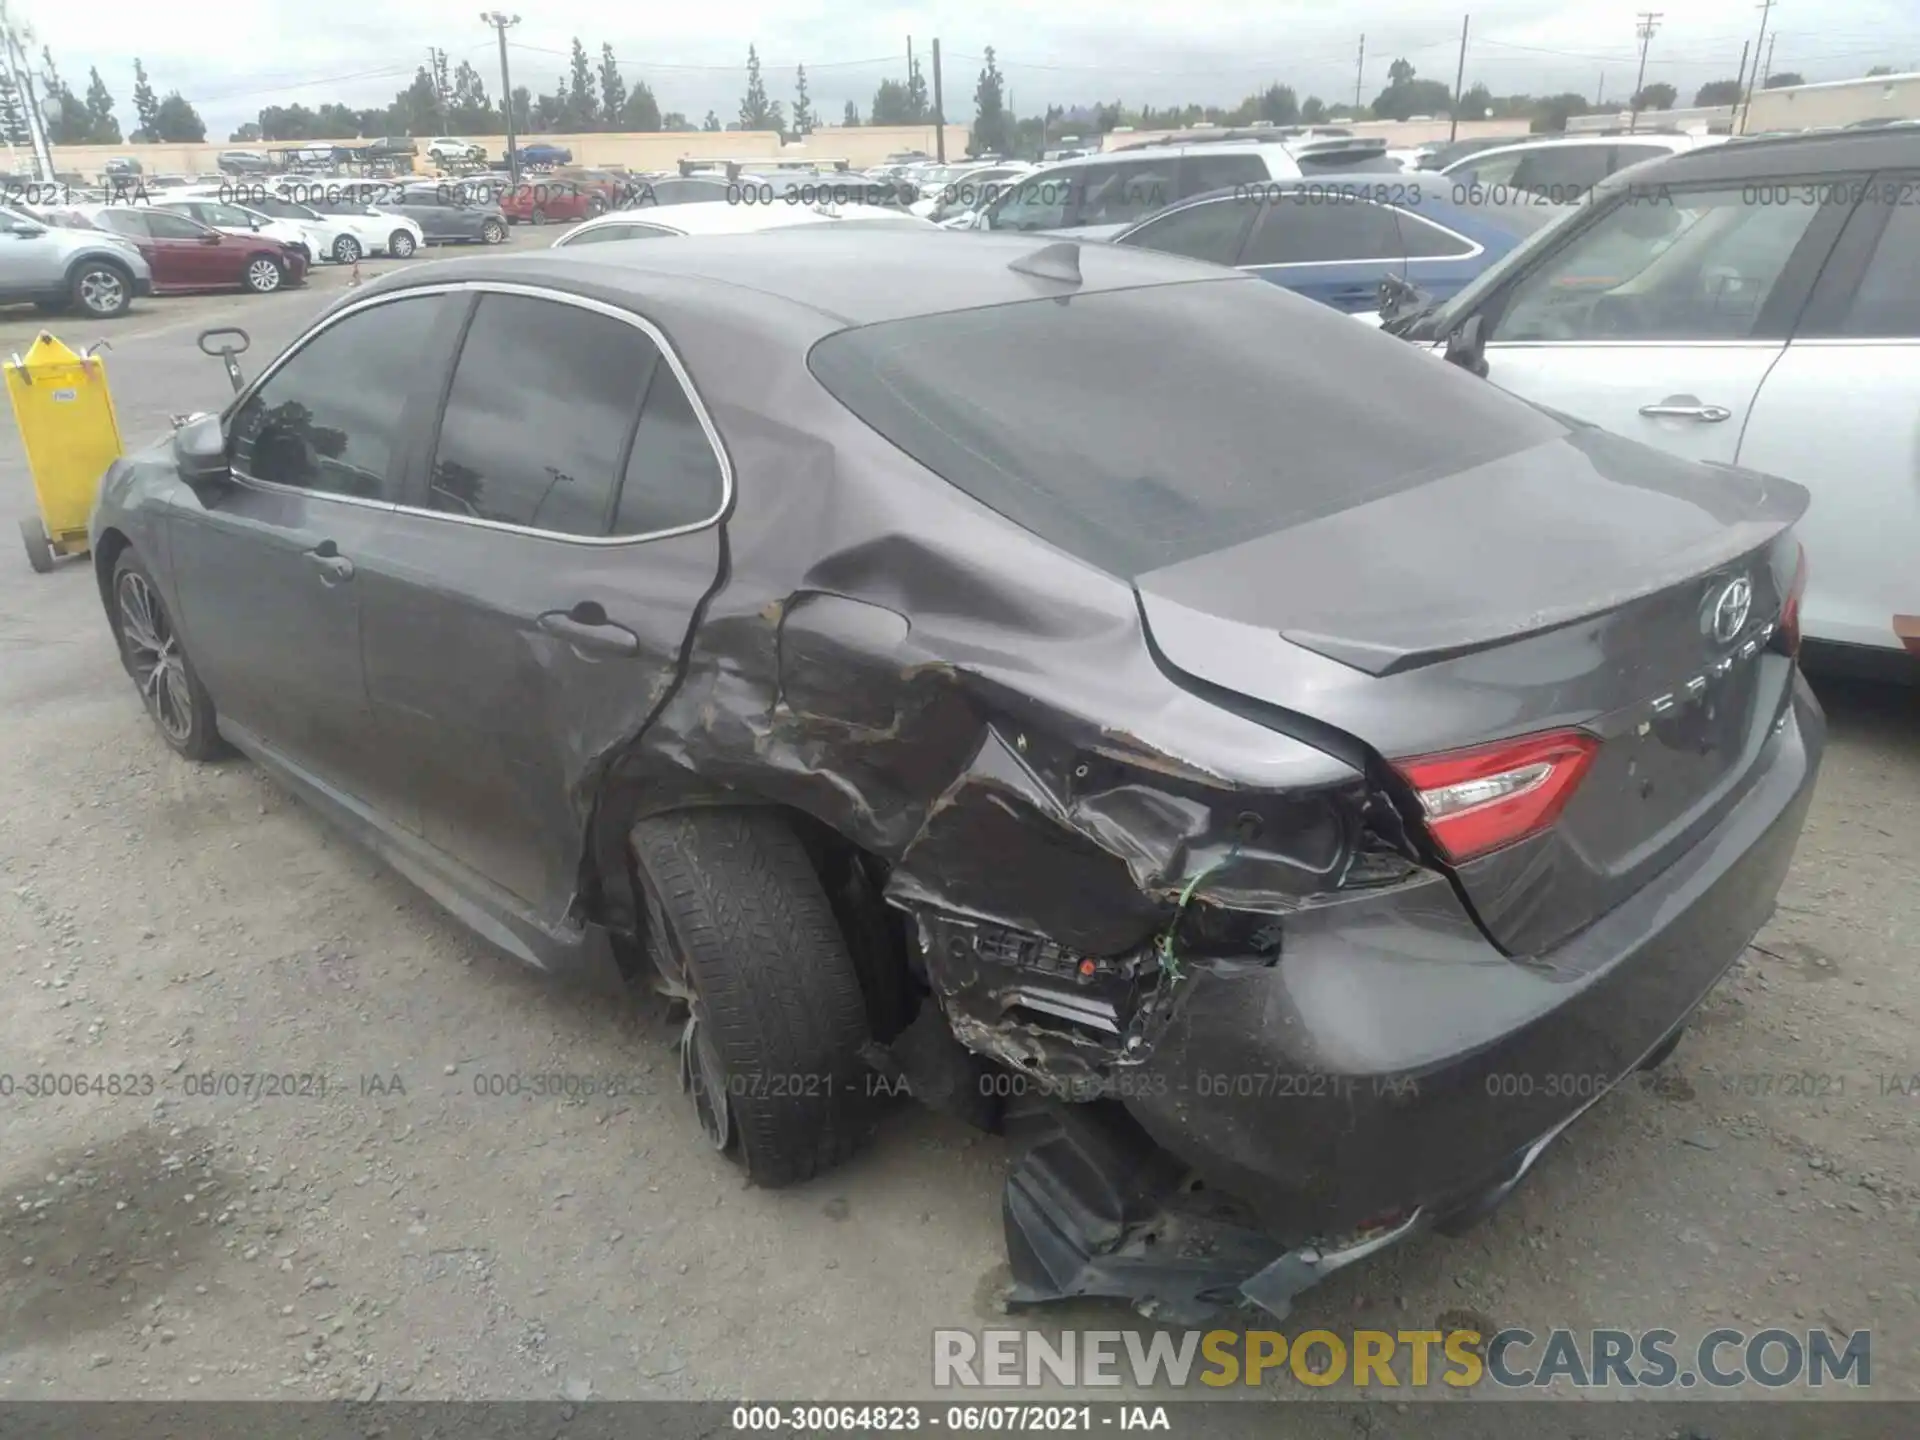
<point x="1140" y="428"/>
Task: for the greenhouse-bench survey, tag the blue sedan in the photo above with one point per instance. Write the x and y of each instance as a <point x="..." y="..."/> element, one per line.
<point x="1334" y="238"/>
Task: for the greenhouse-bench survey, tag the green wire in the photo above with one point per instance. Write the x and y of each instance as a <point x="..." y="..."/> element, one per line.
<point x="1168" y="961"/>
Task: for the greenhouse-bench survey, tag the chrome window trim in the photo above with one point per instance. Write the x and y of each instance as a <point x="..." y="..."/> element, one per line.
<point x="1636" y="344"/>
<point x="532" y="292"/>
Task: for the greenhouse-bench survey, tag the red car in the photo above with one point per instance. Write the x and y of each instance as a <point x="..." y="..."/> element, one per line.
<point x="186" y="255"/>
<point x="538" y="201"/>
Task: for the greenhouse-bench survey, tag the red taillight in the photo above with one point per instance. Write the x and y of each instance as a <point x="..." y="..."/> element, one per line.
<point x="1790" y="612"/>
<point x="1492" y="795"/>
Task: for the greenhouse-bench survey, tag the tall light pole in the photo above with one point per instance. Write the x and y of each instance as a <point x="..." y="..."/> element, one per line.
<point x="1649" y="22"/>
<point x="1746" y="106"/>
<point x="500" y="21"/>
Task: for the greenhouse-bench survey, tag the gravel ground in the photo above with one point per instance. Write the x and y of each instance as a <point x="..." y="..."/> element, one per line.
<point x="401" y="1234"/>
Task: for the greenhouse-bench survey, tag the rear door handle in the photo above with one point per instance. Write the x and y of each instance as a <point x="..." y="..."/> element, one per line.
<point x="332" y="565"/>
<point x="1686" y="407"/>
<point x="588" y="630"/>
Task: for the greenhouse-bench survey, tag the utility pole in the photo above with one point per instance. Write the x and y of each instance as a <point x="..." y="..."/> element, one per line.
<point x="1766" y="70"/>
<point x="500" y="22"/>
<point x="1600" y="90"/>
<point x="1746" y="108"/>
<point x="1359" y="73"/>
<point x="1649" y="22"/>
<point x="436" y="57"/>
<point x="1740" y="81"/>
<point x="939" y="109"/>
<point x="1459" y="79"/>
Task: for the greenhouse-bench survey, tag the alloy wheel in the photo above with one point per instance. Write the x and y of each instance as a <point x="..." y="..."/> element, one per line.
<point x="401" y="245"/>
<point x="263" y="275"/>
<point x="346" y="249"/>
<point x="102" y="292"/>
<point x="493" y="232"/>
<point x="153" y="655"/>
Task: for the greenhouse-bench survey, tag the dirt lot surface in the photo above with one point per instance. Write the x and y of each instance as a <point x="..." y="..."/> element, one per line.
<point x="178" y="925"/>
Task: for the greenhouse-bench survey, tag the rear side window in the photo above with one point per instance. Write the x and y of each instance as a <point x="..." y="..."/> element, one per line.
<point x="1887" y="304"/>
<point x="1305" y="227"/>
<point x="1128" y="191"/>
<point x="1139" y="428"/>
<point x="540" y="427"/>
<point x="1203" y="174"/>
<point x="1563" y="173"/>
<point x="1212" y="230"/>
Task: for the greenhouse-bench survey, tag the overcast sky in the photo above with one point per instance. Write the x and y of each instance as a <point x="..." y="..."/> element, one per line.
<point x="231" y="58"/>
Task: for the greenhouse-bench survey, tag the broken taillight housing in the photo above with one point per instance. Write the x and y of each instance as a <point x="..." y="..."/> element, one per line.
<point x="1481" y="799"/>
<point x="1790" y="612"/>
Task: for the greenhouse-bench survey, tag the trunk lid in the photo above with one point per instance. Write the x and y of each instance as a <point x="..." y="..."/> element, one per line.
<point x="1587" y="583"/>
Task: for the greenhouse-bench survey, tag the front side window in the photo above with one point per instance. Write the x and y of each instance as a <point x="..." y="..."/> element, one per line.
<point x="1661" y="265"/>
<point x="1563" y="173"/>
<point x="229" y="216"/>
<point x="165" y="226"/>
<point x="544" y="400"/>
<point x="328" y="420"/>
<point x="1212" y="230"/>
<point x="1203" y="174"/>
<point x="1039" y="202"/>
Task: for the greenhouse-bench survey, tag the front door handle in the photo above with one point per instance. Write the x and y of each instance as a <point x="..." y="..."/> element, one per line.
<point x="588" y="630"/>
<point x="332" y="565"/>
<point x="1686" y="407"/>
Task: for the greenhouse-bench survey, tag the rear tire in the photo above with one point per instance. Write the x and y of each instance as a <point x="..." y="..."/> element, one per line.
<point x="346" y="249"/>
<point x="539" y="216"/>
<point x="33" y="534"/>
<point x="740" y="929"/>
<point x="400" y="244"/>
<point x="101" y="290"/>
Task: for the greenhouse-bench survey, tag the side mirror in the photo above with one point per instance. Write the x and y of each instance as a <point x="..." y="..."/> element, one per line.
<point x="211" y="238"/>
<point x="1467" y="347"/>
<point x="215" y="342"/>
<point x="1398" y="294"/>
<point x="24" y="228"/>
<point x="200" y="452"/>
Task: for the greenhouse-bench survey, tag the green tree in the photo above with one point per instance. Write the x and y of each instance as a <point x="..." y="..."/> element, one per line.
<point x="756" y="111"/>
<point x="1405" y="95"/>
<point x="1551" y="114"/>
<point x="522" y="102"/>
<point x="582" y="105"/>
<point x="891" y="105"/>
<point x="177" y="122"/>
<point x="1279" y="104"/>
<point x="1313" y="110"/>
<point x="145" y="106"/>
<point x="990" y="131"/>
<point x="1657" y="96"/>
<point x="918" y="110"/>
<point x="803" y="117"/>
<point x="711" y="124"/>
<point x="471" y="113"/>
<point x="851" y="115"/>
<point x="642" y="112"/>
<point x="674" y="120"/>
<point x="1476" y="102"/>
<point x="1400" y="72"/>
<point x="13" y="113"/>
<point x="247" y="134"/>
<point x="106" y="129"/>
<point x="613" y="89"/>
<point x="416" y="109"/>
<point x="1879" y="70"/>
<point x="1718" y="92"/>
<point x="1782" y="79"/>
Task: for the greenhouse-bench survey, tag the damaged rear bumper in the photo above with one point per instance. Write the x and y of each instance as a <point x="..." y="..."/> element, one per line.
<point x="1392" y="1072"/>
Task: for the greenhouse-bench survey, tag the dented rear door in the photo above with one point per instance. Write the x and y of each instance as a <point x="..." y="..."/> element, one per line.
<point x="529" y="607"/>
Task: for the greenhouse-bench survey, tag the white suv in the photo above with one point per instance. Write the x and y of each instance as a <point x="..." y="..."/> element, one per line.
<point x="446" y="150"/>
<point x="1559" y="169"/>
<point x="1098" y="196"/>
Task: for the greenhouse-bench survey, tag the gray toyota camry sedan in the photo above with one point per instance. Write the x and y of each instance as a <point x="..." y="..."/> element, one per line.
<point x="1273" y="776"/>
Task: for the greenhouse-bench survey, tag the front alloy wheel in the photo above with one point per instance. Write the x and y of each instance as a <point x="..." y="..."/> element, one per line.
<point x="400" y="244"/>
<point x="154" y="657"/>
<point x="493" y="232"/>
<point x="346" y="249"/>
<point x="263" y="275"/>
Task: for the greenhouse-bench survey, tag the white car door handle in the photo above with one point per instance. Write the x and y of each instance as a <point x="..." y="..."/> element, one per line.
<point x="1686" y="407"/>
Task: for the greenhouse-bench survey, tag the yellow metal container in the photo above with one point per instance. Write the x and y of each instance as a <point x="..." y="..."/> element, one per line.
<point x="67" y="426"/>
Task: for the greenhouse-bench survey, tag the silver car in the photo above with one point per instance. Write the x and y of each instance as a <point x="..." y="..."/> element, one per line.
<point x="89" y="271"/>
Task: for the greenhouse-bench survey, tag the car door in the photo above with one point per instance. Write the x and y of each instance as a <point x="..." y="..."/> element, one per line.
<point x="527" y="608"/>
<point x="1662" y="314"/>
<point x="195" y="256"/>
<point x="266" y="570"/>
<point x="1328" y="243"/>
<point x="1840" y="413"/>
<point x="32" y="259"/>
